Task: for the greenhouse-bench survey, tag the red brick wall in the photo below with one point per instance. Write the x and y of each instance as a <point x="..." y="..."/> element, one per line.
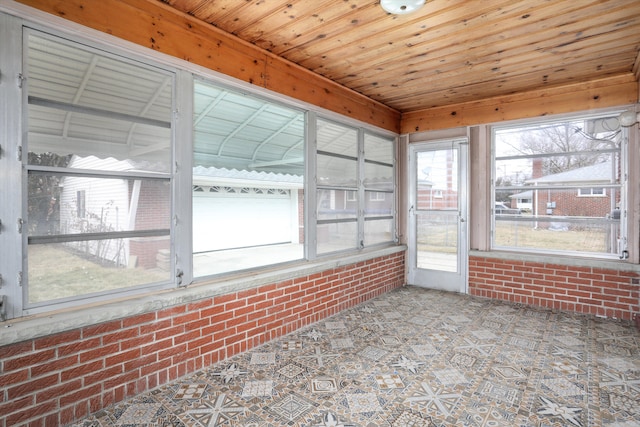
<point x="587" y="290"/>
<point x="568" y="203"/>
<point x="57" y="379"/>
<point x="153" y="212"/>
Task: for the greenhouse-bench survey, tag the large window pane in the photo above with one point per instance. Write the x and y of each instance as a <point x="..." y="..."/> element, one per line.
<point x="99" y="192"/>
<point x="558" y="187"/>
<point x="248" y="179"/>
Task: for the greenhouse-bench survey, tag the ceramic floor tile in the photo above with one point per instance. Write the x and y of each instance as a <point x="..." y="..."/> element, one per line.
<point x="413" y="357"/>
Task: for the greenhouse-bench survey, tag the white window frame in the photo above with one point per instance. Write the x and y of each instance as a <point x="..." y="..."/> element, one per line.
<point x="603" y="192"/>
<point x="623" y="247"/>
<point x="377" y="196"/>
<point x="13" y="194"/>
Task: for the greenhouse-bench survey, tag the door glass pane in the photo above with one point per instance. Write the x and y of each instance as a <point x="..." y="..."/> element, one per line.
<point x="437" y="241"/>
<point x="437" y="179"/>
<point x="437" y="193"/>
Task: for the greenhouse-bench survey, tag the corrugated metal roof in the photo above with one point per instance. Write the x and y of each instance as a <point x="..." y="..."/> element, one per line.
<point x="599" y="173"/>
<point x="86" y="102"/>
<point x="221" y="176"/>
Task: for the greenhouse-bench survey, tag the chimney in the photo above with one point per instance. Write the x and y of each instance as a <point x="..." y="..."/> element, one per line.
<point x="537" y="169"/>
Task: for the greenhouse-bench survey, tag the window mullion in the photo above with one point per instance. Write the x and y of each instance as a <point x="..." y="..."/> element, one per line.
<point x="11" y="186"/>
<point x="361" y="190"/>
<point x="182" y="241"/>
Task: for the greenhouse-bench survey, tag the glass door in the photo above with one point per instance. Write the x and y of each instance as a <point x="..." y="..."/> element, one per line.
<point x="438" y="247"/>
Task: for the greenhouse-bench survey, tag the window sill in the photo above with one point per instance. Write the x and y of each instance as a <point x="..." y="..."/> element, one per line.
<point x="31" y="327"/>
<point x="619" y="265"/>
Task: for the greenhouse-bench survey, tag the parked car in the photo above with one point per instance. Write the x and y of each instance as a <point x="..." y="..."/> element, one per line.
<point x="502" y="209"/>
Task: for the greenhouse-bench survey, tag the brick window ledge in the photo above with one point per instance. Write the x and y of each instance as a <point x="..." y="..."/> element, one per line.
<point x="36" y="326"/>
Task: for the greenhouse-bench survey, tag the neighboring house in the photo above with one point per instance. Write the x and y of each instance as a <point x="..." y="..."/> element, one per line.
<point x="98" y="205"/>
<point x="522" y="201"/>
<point x="590" y="198"/>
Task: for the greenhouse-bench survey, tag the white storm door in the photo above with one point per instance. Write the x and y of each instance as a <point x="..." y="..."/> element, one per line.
<point x="438" y="247"/>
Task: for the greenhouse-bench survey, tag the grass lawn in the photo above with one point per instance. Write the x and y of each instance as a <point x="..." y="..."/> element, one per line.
<point x="522" y="234"/>
<point x="56" y="272"/>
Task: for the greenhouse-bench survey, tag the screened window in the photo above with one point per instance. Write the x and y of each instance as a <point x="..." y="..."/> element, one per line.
<point x="355" y="188"/>
<point x="127" y="176"/>
<point x="248" y="178"/>
<point x="562" y="185"/>
<point x="379" y="187"/>
<point x="98" y="155"/>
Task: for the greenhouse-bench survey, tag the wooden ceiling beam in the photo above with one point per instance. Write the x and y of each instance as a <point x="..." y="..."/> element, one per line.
<point x="601" y="93"/>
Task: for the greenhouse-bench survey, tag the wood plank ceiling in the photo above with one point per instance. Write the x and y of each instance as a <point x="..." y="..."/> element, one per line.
<point x="448" y="52"/>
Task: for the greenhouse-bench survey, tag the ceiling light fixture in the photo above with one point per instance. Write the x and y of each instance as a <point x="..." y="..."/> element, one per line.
<point x="401" y="7"/>
<point x="628" y="118"/>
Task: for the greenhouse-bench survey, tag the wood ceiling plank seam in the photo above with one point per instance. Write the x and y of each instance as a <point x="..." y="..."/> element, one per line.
<point x="414" y="104"/>
<point x="365" y="21"/>
<point x="210" y="12"/>
<point x="432" y="99"/>
<point x="296" y="33"/>
<point x="314" y="47"/>
<point x="272" y="27"/>
<point x="439" y="34"/>
<point x="488" y="41"/>
<point x="304" y="51"/>
<point x="607" y="49"/>
<point x="528" y="44"/>
<point x="600" y="52"/>
<point x="313" y="35"/>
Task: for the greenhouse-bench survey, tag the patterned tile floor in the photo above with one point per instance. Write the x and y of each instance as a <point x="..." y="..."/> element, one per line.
<point x="414" y="357"/>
